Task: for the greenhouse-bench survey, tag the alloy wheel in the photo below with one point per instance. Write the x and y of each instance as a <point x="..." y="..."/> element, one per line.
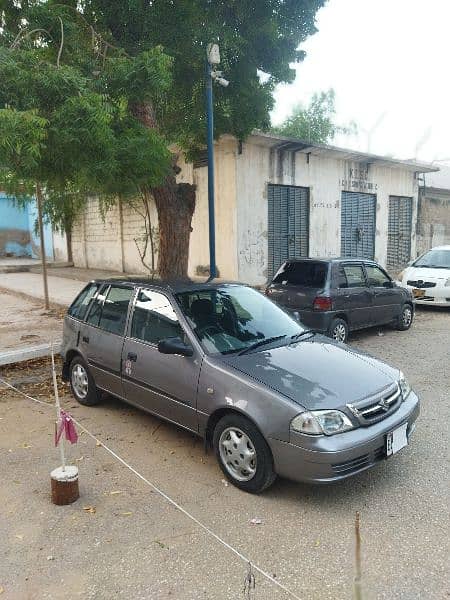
<point x="237" y="453"/>
<point x="80" y="382"/>
<point x="407" y="316"/>
<point x="339" y="333"/>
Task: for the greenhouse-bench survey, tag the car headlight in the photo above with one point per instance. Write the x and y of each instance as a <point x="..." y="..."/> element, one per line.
<point x="405" y="388"/>
<point x="319" y="422"/>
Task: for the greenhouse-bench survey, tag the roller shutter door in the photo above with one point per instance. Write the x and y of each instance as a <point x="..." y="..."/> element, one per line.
<point x="358" y="225"/>
<point x="399" y="232"/>
<point x="288" y="224"/>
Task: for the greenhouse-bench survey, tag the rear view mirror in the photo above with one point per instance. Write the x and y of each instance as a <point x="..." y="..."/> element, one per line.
<point x="175" y="345"/>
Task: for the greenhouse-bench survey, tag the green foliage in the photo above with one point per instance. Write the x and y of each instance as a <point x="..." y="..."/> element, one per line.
<point x="22" y="139"/>
<point x="315" y="122"/>
<point x="66" y="124"/>
<point x="254" y="37"/>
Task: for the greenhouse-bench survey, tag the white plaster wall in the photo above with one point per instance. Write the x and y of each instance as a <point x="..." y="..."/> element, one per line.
<point x="225" y="213"/>
<point x="59" y="247"/>
<point x="258" y="165"/>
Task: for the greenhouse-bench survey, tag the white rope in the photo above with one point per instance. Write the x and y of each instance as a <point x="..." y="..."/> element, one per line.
<point x="166" y="497"/>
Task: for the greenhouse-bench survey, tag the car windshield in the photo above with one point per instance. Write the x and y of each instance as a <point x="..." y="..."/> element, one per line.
<point x="232" y="318"/>
<point x="437" y="259"/>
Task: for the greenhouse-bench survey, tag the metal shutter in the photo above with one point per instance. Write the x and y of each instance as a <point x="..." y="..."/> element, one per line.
<point x="358" y="225"/>
<point x="288" y="224"/>
<point x="399" y="232"/>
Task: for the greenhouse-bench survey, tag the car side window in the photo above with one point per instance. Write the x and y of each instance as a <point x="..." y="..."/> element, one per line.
<point x="110" y="308"/>
<point x="95" y="312"/>
<point x="375" y="276"/>
<point x="115" y="309"/>
<point x="354" y="275"/>
<point x="154" y="318"/>
<point x="80" y="305"/>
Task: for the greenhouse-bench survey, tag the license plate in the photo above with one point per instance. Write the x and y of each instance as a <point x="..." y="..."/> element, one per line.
<point x="396" y="439"/>
<point x="418" y="293"/>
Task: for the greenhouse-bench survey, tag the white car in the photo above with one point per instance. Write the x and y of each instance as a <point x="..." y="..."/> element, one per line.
<point x="428" y="277"/>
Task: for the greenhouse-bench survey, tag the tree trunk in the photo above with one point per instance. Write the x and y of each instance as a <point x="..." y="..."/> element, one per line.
<point x="175" y="204"/>
<point x="68" y="232"/>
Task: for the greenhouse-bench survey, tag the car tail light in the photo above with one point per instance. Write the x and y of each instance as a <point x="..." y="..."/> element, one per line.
<point x="322" y="303"/>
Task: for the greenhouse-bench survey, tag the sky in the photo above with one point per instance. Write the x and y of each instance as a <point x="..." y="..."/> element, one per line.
<point x="389" y="64"/>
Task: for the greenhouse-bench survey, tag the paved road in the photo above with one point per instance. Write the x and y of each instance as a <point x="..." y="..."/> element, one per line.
<point x="306" y="537"/>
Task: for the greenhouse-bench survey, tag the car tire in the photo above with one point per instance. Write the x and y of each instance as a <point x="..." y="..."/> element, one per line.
<point x="232" y="434"/>
<point x="405" y="318"/>
<point x="338" y="330"/>
<point x="82" y="383"/>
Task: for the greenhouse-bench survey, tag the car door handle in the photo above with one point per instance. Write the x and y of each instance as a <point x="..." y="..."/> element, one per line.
<point x="132" y="356"/>
<point x="86" y="339"/>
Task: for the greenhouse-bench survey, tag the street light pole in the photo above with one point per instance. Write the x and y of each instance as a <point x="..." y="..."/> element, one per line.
<point x="210" y="145"/>
<point x="212" y="59"/>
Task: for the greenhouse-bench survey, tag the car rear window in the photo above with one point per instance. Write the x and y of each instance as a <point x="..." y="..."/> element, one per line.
<point x="304" y="273"/>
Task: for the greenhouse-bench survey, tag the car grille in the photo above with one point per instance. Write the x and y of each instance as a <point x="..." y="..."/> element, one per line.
<point x="377" y="410"/>
<point x="362" y="462"/>
<point x="422" y="284"/>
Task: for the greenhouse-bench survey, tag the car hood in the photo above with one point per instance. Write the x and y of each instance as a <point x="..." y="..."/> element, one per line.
<point x="426" y="274"/>
<point x="316" y="373"/>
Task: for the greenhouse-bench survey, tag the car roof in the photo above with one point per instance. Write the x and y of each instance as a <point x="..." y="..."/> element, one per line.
<point x="333" y="259"/>
<point x="174" y="286"/>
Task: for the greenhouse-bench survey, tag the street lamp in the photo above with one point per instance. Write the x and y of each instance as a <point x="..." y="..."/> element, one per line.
<point x="212" y="59"/>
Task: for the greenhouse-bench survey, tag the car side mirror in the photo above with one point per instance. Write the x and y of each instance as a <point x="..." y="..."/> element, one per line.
<point x="388" y="284"/>
<point x="175" y="345"/>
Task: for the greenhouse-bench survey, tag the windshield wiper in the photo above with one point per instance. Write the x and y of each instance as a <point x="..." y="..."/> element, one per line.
<point x="261" y="343"/>
<point x="297" y="336"/>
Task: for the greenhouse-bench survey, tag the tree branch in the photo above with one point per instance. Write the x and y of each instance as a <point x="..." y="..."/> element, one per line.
<point x="61" y="44"/>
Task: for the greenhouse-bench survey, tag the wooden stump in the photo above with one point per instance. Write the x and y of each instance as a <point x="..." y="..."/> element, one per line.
<point x="64" y="485"/>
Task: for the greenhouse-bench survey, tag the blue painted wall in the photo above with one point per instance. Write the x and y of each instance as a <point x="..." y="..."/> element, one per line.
<point x="35" y="242"/>
<point x="17" y="237"/>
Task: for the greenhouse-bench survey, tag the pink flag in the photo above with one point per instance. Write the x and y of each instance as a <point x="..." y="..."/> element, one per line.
<point x="67" y="426"/>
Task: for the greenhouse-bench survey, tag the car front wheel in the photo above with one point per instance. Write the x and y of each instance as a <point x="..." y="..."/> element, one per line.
<point x="405" y="318"/>
<point x="82" y="383"/>
<point x="338" y="330"/>
<point x="243" y="454"/>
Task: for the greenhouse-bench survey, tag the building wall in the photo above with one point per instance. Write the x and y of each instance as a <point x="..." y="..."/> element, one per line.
<point x="326" y="178"/>
<point x="17" y="230"/>
<point x="15" y="238"/>
<point x="433" y="219"/>
<point x="109" y="241"/>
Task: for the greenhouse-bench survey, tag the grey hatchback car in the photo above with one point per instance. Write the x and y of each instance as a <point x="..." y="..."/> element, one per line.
<point x="226" y="363"/>
<point x="339" y="295"/>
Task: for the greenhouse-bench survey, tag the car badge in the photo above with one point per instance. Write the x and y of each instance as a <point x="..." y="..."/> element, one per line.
<point x="384" y="404"/>
<point x="355" y="412"/>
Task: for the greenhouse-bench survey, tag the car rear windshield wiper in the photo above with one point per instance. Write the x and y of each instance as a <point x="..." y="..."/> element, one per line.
<point x="297" y="336"/>
<point x="261" y="343"/>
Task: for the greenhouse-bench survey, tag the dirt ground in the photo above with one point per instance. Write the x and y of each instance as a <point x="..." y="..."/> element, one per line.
<point x="123" y="540"/>
<point x="24" y="322"/>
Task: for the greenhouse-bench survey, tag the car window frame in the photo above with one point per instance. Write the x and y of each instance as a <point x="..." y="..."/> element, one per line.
<point x="380" y="268"/>
<point x="181" y="319"/>
<point x="354" y="264"/>
<point x="107" y="287"/>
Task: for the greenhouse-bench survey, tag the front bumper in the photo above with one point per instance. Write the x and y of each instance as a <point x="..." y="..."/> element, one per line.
<point x="436" y="296"/>
<point x="340" y="456"/>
